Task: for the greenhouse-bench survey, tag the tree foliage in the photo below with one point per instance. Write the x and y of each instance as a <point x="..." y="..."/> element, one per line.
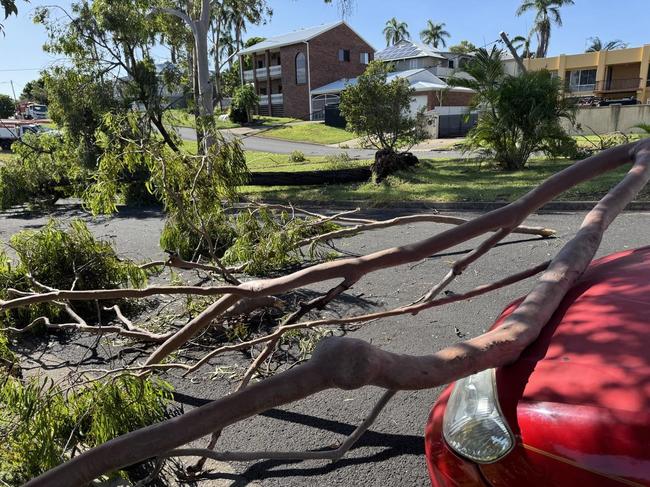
<point x="598" y="45"/>
<point x="519" y="115"/>
<point x="7" y="107"/>
<point x="35" y="91"/>
<point x="40" y="424"/>
<point x="434" y="34"/>
<point x="379" y="110"/>
<point x="463" y="47"/>
<point x="547" y="13"/>
<point x="395" y="31"/>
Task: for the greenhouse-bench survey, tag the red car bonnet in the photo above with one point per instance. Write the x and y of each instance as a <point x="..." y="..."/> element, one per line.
<point x="580" y="395"/>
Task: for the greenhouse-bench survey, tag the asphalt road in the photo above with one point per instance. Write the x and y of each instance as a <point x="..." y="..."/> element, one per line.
<point x="277" y="146"/>
<point x="391" y="453"/>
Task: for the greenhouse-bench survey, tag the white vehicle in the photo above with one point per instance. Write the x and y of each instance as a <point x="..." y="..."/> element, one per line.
<point x="13" y="130"/>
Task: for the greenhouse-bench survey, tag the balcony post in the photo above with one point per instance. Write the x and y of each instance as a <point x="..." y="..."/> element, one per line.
<point x="644" y="73"/>
<point x="255" y="83"/>
<point x="269" y="90"/>
<point x="601" y="70"/>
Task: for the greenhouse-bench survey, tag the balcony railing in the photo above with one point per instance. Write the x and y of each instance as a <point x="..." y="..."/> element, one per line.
<point x="276" y="99"/>
<point x="631" y="84"/>
<point x="276" y="72"/>
<point x="568" y="86"/>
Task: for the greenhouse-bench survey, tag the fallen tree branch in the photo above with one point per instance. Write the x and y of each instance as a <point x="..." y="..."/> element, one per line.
<point x="408" y="220"/>
<point x="348" y="363"/>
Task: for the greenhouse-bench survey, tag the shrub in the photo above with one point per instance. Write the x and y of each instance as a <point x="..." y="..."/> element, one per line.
<point x="243" y="102"/>
<point x="41" y="426"/>
<point x="520" y="115"/>
<point x="297" y="156"/>
<point x="339" y="161"/>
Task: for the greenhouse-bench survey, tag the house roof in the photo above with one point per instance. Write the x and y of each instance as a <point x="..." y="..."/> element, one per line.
<point x="407" y="49"/>
<point x="419" y="79"/>
<point x="295" y="37"/>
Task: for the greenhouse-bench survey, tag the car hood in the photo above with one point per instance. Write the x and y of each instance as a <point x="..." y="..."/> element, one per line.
<point x="581" y="392"/>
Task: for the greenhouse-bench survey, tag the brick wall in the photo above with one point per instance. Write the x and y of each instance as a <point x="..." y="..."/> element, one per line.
<point x="448" y="99"/>
<point x="323" y="64"/>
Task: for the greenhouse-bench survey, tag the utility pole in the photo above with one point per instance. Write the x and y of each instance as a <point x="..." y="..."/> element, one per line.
<point x="13" y="91"/>
<point x="513" y="51"/>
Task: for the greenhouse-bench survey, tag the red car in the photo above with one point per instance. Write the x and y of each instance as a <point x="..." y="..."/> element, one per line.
<point x="574" y="410"/>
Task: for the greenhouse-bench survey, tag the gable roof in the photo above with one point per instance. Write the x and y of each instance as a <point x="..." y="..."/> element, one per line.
<point x="407" y="49"/>
<point x="295" y="37"/>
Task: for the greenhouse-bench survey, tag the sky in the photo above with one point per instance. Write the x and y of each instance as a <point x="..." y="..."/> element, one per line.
<point x="479" y="21"/>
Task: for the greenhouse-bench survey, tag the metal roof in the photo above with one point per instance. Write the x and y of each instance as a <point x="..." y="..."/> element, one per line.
<point x="294" y="37"/>
<point x="431" y="83"/>
<point x="407" y="49"/>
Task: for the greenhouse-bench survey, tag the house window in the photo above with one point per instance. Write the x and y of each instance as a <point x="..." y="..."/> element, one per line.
<point x="260" y="63"/>
<point x="451" y="64"/>
<point x="364" y="58"/>
<point x="344" y="55"/>
<point x="301" y="68"/>
<point x="414" y="63"/>
<point x="582" y="80"/>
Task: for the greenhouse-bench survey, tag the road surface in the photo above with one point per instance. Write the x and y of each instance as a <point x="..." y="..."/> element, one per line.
<point x="277" y="146"/>
<point x="391" y="453"/>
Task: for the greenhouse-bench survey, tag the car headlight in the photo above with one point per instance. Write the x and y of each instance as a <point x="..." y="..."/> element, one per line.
<point x="473" y="425"/>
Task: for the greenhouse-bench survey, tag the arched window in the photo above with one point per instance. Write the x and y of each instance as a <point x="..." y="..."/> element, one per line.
<point x="301" y="68"/>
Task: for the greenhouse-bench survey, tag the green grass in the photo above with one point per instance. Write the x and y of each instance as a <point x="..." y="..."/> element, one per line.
<point x="318" y="133"/>
<point x="446" y="180"/>
<point x="270" y="162"/>
<point x="181" y="118"/>
<point x="5" y="156"/>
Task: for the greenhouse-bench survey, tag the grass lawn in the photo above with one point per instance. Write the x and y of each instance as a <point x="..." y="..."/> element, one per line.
<point x="180" y="118"/>
<point x="446" y="180"/>
<point x="318" y="133"/>
<point x="270" y="162"/>
<point x="5" y="156"/>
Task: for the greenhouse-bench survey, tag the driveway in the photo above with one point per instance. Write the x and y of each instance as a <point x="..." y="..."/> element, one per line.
<point x="392" y="452"/>
<point x="277" y="146"/>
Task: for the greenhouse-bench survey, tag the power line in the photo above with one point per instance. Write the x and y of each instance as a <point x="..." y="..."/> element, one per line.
<point x="21" y="69"/>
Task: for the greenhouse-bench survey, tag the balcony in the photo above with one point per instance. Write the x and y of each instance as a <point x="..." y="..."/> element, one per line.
<point x="276" y="72"/>
<point x="276" y="99"/>
<point x="441" y="71"/>
<point x="613" y="85"/>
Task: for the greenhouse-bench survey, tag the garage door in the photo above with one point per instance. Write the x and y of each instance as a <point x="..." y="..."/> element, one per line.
<point x="418" y="103"/>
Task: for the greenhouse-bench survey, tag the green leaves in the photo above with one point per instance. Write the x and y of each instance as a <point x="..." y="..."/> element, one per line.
<point x="379" y="111"/>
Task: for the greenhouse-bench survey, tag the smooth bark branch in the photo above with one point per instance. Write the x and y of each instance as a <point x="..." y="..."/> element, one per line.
<point x="348" y="363"/>
<point x="408" y="220"/>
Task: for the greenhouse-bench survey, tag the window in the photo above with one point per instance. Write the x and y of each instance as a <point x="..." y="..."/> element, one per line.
<point x="301" y="68"/>
<point x="364" y="58"/>
<point x="414" y="63"/>
<point x="260" y="63"/>
<point x="344" y="55"/>
<point x="451" y="64"/>
<point x="582" y="80"/>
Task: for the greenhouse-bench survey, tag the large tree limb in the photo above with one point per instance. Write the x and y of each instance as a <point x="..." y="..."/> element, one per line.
<point x="348" y="363"/>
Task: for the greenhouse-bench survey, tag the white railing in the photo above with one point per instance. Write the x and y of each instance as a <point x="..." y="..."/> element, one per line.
<point x="440" y="71"/>
<point x="276" y="72"/>
<point x="276" y="99"/>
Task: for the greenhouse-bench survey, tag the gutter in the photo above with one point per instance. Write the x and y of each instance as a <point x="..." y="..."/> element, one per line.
<point x="309" y="77"/>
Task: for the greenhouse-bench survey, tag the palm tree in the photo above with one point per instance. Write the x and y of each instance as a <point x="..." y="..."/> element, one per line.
<point x="523" y="43"/>
<point x="395" y="31"/>
<point x="547" y="12"/>
<point x="598" y="45"/>
<point x="486" y="73"/>
<point x="434" y="34"/>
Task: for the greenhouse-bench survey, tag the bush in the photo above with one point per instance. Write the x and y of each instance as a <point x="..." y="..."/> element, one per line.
<point x="243" y="103"/>
<point x="41" y="426"/>
<point x="297" y="156"/>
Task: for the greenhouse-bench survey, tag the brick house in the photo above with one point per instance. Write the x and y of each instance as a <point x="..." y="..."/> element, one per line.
<point x="287" y="68"/>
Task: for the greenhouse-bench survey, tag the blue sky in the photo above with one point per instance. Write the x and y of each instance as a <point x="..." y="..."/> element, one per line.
<point x="479" y="21"/>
